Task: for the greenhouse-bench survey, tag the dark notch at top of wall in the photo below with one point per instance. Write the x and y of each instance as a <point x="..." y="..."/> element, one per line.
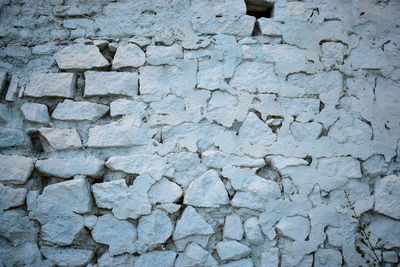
<point x="259" y="8"/>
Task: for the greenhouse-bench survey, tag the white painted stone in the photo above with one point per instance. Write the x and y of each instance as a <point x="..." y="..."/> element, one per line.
<point x="3" y="80"/>
<point x="253" y="231"/>
<point x="296" y="227"/>
<point x="15" y="169"/>
<point x="375" y="165"/>
<point x="217" y="159"/>
<point x="390" y="256"/>
<point x="154" y="229"/>
<point x="111" y="83"/>
<point x="206" y="191"/>
<point x="51" y="85"/>
<point x="12" y="137"/>
<point x="164" y="191"/>
<point x="306" y="132"/>
<point x="124" y="260"/>
<point x="138" y="164"/>
<point x="195" y="255"/>
<point x="340" y="166"/>
<point x="80" y="57"/>
<point x="240" y="263"/>
<point x="17" y="227"/>
<point x="270" y="258"/>
<point x="62" y="230"/>
<point x="60" y="139"/>
<point x="119" y="235"/>
<point x="157" y="258"/>
<point x="387" y="196"/>
<point x="328" y="257"/>
<point x="191" y="223"/>
<point x="158" y="55"/>
<point x="108" y="194"/>
<point x="169" y="207"/>
<point x="332" y="53"/>
<point x="90" y="221"/>
<point x="256" y="131"/>
<point x="35" y="112"/>
<point x="268" y="27"/>
<point x="11" y="197"/>
<point x="79" y="110"/>
<point x="232" y="250"/>
<point x="125" y="106"/>
<point x="233" y="228"/>
<point x="128" y="55"/>
<point x="23" y="255"/>
<point x="67" y="168"/>
<point x="67" y="256"/>
<point x="168" y="105"/>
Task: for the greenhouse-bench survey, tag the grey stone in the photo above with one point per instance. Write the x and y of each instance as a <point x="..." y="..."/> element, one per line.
<point x="12" y="91"/>
<point x="128" y="55"/>
<point x="191" y="223"/>
<point x="67" y="168"/>
<point x="11" y="197"/>
<point x="232" y="250"/>
<point x="387" y="196"/>
<point x="12" y="137"/>
<point x="195" y="255"/>
<point x="62" y="229"/>
<point x="80" y="57"/>
<point x="17" y="227"/>
<point x="3" y="80"/>
<point x="51" y="85"/>
<point x="233" y="228"/>
<point x="217" y="159"/>
<point x="240" y="263"/>
<point x="119" y="235"/>
<point x="253" y="231"/>
<point x="15" y="169"/>
<point x="206" y="191"/>
<point x="67" y="256"/>
<point x="157" y="55"/>
<point x="35" y="112"/>
<point x="296" y="227"/>
<point x="390" y="256"/>
<point x="26" y="254"/>
<point x="124" y="260"/>
<point x="125" y="106"/>
<point x="328" y="257"/>
<point x="79" y="111"/>
<point x="387" y="229"/>
<point x="111" y="83"/>
<point x="60" y="139"/>
<point x="156" y="258"/>
<point x="164" y="191"/>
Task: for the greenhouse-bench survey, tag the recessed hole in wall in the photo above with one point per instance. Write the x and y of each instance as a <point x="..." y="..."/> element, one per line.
<point x="259" y="8"/>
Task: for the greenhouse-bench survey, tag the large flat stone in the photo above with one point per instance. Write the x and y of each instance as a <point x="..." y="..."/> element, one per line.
<point x="60" y="139"/>
<point x="128" y="55"/>
<point x="51" y="85"/>
<point x="111" y="83"/>
<point x="80" y="57"/>
<point x="387" y="196"/>
<point x="70" y="167"/>
<point x="15" y="169"/>
<point x="79" y="110"/>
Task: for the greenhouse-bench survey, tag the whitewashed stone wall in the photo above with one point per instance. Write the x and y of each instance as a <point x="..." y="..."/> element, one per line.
<point x="187" y="133"/>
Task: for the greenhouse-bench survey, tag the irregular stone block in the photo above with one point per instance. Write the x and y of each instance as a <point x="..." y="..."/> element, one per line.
<point x="232" y="250"/>
<point x="78" y="111"/>
<point x="12" y="91"/>
<point x="233" y="228"/>
<point x="296" y="227"/>
<point x="157" y="258"/>
<point x="11" y="197"/>
<point x="206" y="191"/>
<point x="306" y="132"/>
<point x="375" y="165"/>
<point x="111" y="83"/>
<point x="63" y="229"/>
<point x="3" y="80"/>
<point x="256" y="131"/>
<point x="387" y="229"/>
<point x="16" y="226"/>
<point x="253" y="231"/>
<point x="108" y="194"/>
<point x="158" y="55"/>
<point x="61" y="138"/>
<point x="35" y="112"/>
<point x="328" y="257"/>
<point x="125" y="106"/>
<point x="240" y="263"/>
<point x="195" y="255"/>
<point x="128" y="55"/>
<point x="268" y="27"/>
<point x="217" y="159"/>
<point x="387" y="196"/>
<point x="51" y="85"/>
<point x="191" y="223"/>
<point x="12" y="137"/>
<point x="119" y="235"/>
<point x="15" y="169"/>
<point x="67" y="168"/>
<point x="164" y="191"/>
<point x="80" y="57"/>
<point x="67" y="256"/>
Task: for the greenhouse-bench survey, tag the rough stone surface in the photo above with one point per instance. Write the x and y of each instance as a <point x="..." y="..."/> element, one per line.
<point x="232" y="250"/>
<point x="51" y="85"/>
<point x="128" y="55"/>
<point x="12" y="137"/>
<point x="15" y="169"/>
<point x="60" y="139"/>
<point x="67" y="168"/>
<point x="80" y="57"/>
<point x="11" y="197"/>
<point x="387" y="195"/>
<point x="233" y="228"/>
<point x="67" y="256"/>
<point x="111" y="83"/>
<point x="164" y="191"/>
<point x="157" y="258"/>
<point x="36" y="112"/>
<point x="191" y="223"/>
<point x="79" y="111"/>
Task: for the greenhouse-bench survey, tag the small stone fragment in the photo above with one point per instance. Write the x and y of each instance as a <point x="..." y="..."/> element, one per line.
<point x="256" y="131"/>
<point x="78" y="111"/>
<point x="232" y="250"/>
<point x="217" y="159"/>
<point x="128" y="55"/>
<point x="268" y="27"/>
<point x="61" y="138"/>
<point x="253" y="231"/>
<point x="15" y="169"/>
<point x="206" y="191"/>
<point x="125" y="106"/>
<point x="169" y="207"/>
<point x="375" y="165"/>
<point x="67" y="168"/>
<point x="296" y="227"/>
<point x="12" y="92"/>
<point x="35" y="112"/>
<point x="67" y="256"/>
<point x="390" y="256"/>
<point x="191" y="223"/>
<point x="124" y="260"/>
<point x="157" y="258"/>
<point x="11" y="197"/>
<point x="387" y="196"/>
<point x="158" y="55"/>
<point x="12" y="137"/>
<point x="119" y="235"/>
<point x="164" y="191"/>
<point x="80" y="57"/>
<point x="51" y="85"/>
<point x="111" y="83"/>
<point x="16" y="226"/>
<point x="194" y="256"/>
<point x="233" y="228"/>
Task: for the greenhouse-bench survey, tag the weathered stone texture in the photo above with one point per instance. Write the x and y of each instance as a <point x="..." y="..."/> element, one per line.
<point x="51" y="85"/>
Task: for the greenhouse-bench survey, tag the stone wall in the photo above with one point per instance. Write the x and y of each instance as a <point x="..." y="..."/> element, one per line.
<point x="191" y="133"/>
